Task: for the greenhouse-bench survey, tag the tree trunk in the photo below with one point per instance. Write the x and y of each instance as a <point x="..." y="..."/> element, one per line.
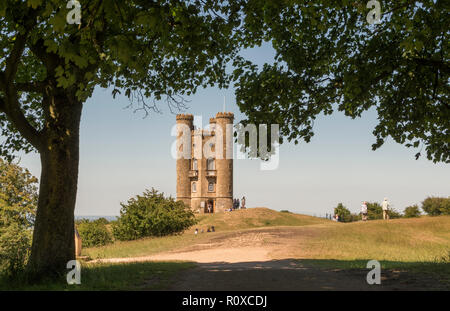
<point x="53" y="239"/>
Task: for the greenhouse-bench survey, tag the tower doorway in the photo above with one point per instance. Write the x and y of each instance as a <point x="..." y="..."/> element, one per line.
<point x="209" y="208"/>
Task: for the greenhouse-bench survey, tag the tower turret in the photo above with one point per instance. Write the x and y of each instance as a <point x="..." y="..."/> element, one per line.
<point x="184" y="127"/>
<point x="224" y="165"/>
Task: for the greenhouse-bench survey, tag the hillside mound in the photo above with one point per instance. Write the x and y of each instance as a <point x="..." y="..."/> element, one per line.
<point x="255" y="218"/>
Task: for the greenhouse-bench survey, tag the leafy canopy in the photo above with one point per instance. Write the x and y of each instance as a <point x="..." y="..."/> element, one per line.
<point x="329" y="58"/>
<point x="146" y="49"/>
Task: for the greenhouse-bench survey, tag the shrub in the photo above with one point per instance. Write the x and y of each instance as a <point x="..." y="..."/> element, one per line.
<point x="435" y="206"/>
<point x="18" y="204"/>
<point x="15" y="248"/>
<point x="151" y="214"/>
<point x="355" y="217"/>
<point x="375" y="211"/>
<point x="102" y="220"/>
<point x="412" y="211"/>
<point x="343" y="212"/>
<point x="93" y="233"/>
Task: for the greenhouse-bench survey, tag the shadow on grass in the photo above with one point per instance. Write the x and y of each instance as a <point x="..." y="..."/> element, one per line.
<point x="313" y="274"/>
<point x="276" y="275"/>
<point x="128" y="276"/>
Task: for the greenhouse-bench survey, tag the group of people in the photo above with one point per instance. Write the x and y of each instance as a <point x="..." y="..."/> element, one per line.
<point x="385" y="206"/>
<point x="238" y="203"/>
<point x="364" y="213"/>
<point x="210" y="229"/>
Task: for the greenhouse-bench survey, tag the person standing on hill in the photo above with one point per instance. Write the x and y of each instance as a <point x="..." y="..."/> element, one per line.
<point x="364" y="211"/>
<point x="243" y="203"/>
<point x="238" y="203"/>
<point x="385" y="206"/>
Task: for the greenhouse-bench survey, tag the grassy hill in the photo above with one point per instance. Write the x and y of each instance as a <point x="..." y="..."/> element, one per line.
<point x="424" y="239"/>
<point x="255" y="218"/>
<point x="420" y="246"/>
<point x="223" y="223"/>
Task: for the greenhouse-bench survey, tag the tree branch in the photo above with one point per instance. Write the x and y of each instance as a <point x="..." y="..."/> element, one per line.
<point x="32" y="86"/>
<point x="2" y="81"/>
<point x="9" y="104"/>
<point x="12" y="62"/>
<point x="11" y="108"/>
<point x="439" y="64"/>
<point x="49" y="59"/>
<point x="2" y="105"/>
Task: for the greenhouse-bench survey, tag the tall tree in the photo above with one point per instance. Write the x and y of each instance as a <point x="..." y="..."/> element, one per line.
<point x="49" y="67"/>
<point x="328" y="57"/>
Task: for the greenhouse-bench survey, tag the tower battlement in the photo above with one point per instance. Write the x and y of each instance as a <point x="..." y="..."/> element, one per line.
<point x="225" y="115"/>
<point x="188" y="117"/>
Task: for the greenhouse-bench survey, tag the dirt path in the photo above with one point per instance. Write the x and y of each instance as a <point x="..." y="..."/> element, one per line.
<point x="264" y="259"/>
<point x="228" y="255"/>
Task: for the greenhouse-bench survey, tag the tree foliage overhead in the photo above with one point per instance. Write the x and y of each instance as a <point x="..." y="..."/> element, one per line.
<point x="328" y="57"/>
<point x="146" y="49"/>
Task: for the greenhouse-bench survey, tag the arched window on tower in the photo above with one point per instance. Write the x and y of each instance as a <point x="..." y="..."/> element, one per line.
<point x="194" y="165"/>
<point x="194" y="187"/>
<point x="210" y="186"/>
<point x="210" y="165"/>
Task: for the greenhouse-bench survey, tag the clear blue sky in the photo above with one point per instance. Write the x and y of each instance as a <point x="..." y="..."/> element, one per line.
<point x="122" y="154"/>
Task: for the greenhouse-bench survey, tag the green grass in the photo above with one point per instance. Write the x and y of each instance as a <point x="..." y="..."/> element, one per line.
<point x="255" y="218"/>
<point x="425" y="239"/>
<point x="223" y="223"/>
<point x="143" y="247"/>
<point x="129" y="276"/>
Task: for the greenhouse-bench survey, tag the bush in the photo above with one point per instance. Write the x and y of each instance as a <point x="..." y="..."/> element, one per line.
<point x="18" y="204"/>
<point x="15" y="248"/>
<point x="435" y="206"/>
<point x="102" y="221"/>
<point x="355" y="217"/>
<point x="343" y="212"/>
<point x="412" y="211"/>
<point x="152" y="215"/>
<point x="375" y="211"/>
<point x="93" y="233"/>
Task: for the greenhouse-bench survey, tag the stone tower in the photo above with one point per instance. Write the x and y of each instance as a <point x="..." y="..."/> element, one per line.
<point x="205" y="181"/>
